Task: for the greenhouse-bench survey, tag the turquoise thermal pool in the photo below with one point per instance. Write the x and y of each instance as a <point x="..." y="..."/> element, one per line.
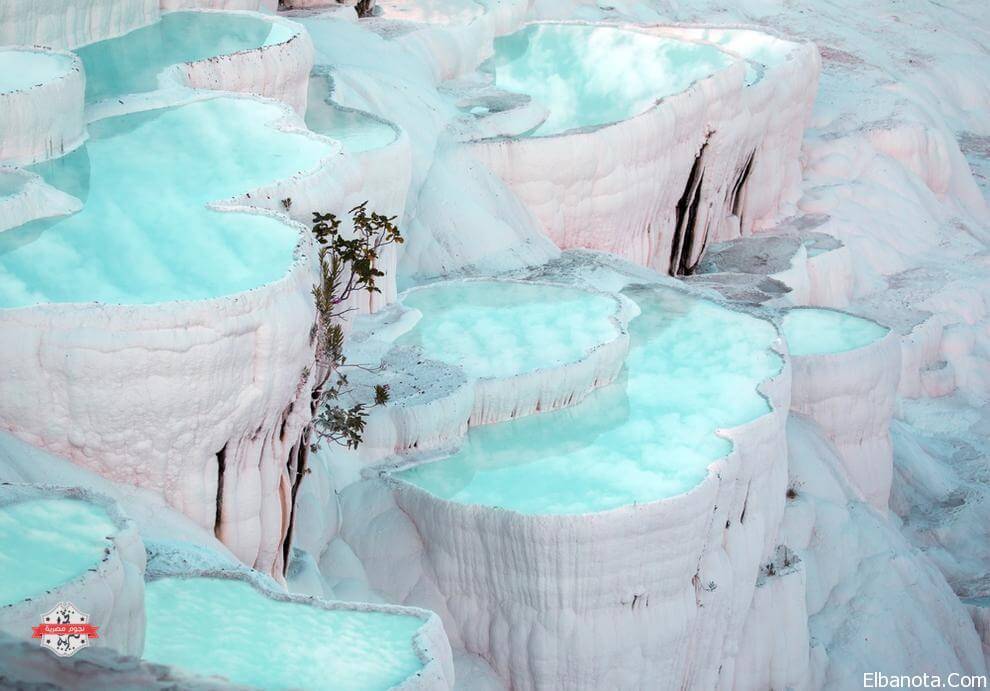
<point x="131" y="63"/>
<point x="811" y="331"/>
<point x="500" y="329"/>
<point x="45" y="543"/>
<point x="693" y="367"/>
<point x="225" y="627"/>
<point x="355" y="131"/>
<point x="755" y="46"/>
<point x="571" y="69"/>
<point x="23" y="69"/>
<point x="145" y="234"/>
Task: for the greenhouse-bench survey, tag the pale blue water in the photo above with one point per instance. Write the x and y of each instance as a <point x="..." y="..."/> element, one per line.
<point x="589" y="75"/>
<point x="23" y="69"/>
<point x="223" y="627"/>
<point x="693" y="367"/>
<point x="811" y="331"/>
<point x="145" y="234"/>
<point x="356" y="131"/>
<point x="131" y="63"/>
<point x="11" y="183"/>
<point x="499" y="329"/>
<point x="45" y="543"/>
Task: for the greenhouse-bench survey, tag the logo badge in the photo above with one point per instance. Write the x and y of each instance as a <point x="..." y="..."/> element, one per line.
<point x="65" y="630"/>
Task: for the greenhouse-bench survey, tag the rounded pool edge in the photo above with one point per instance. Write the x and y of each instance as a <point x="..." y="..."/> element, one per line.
<point x="475" y="400"/>
<point x="658" y="102"/>
<point x="881" y="331"/>
<point x="261" y="201"/>
<point x="325" y="73"/>
<point x="429" y="643"/>
<point x="774" y="390"/>
<point x="44" y="120"/>
<point x="851" y="395"/>
<point x="111" y="591"/>
<point x="278" y="71"/>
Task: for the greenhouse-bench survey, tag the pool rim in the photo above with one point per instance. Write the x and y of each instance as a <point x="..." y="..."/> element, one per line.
<point x="424" y="651"/>
<point x="14" y="492"/>
<point x="75" y="66"/>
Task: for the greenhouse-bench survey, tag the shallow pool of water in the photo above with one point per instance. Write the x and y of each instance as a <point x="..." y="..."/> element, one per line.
<point x="693" y="367"/>
<point x="45" y="543"/>
<point x="500" y="329"/>
<point x="23" y="69"/>
<point x="594" y="75"/>
<point x="212" y="626"/>
<point x="355" y="131"/>
<point x="811" y="331"/>
<point x="131" y="63"/>
<point x="145" y="234"/>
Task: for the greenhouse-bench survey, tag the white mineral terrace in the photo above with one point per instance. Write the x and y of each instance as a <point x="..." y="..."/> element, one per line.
<point x="633" y="165"/>
<point x="692" y="428"/>
<point x="41" y="104"/>
<point x="279" y="641"/>
<point x="846" y="371"/>
<point x="685" y="343"/>
<point x="231" y="51"/>
<point x="514" y="348"/>
<point x="145" y="288"/>
<point x="59" y="545"/>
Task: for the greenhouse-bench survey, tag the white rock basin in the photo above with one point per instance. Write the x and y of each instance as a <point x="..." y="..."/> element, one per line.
<point x="355" y="130"/>
<point x="693" y="368"/>
<point x="175" y="308"/>
<point x="430" y="11"/>
<point x="229" y="627"/>
<point x="68" y="545"/>
<point x="816" y="331"/>
<point x="226" y="50"/>
<point x="146" y="233"/>
<point x="571" y="69"/>
<point x="22" y="69"/>
<point x="845" y="375"/>
<point x="133" y="62"/>
<point x="41" y="104"/>
<point x="592" y="533"/>
<point x="693" y="144"/>
<point x="49" y="542"/>
<point x="494" y="350"/>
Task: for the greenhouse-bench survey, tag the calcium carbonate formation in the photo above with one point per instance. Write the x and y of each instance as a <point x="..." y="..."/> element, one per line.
<point x="631" y="441"/>
<point x="71" y="546"/>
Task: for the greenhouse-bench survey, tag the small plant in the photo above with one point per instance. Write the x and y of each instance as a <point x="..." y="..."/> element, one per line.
<point x="347" y="265"/>
<point x="287" y="203"/>
<point x="792" y="490"/>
